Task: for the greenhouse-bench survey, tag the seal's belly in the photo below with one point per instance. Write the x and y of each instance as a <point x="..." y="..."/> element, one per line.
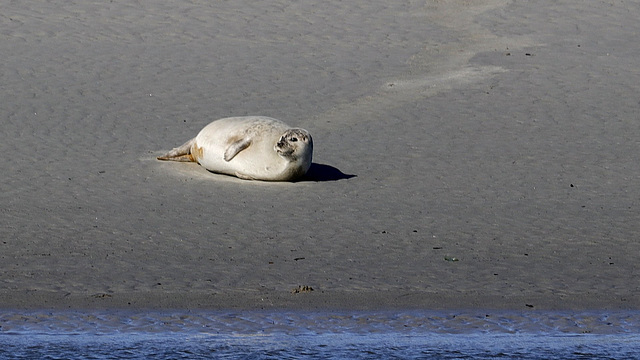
<point x="258" y="161"/>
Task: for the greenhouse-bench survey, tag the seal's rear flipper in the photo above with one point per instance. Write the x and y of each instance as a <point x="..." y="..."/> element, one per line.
<point x="181" y="153"/>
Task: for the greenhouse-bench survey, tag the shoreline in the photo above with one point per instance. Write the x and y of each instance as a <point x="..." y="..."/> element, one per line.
<point x="313" y="301"/>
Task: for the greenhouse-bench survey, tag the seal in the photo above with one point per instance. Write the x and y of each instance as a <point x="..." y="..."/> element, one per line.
<point x="249" y="147"/>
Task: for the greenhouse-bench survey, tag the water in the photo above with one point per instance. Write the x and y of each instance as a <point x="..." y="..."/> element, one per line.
<point x="319" y="335"/>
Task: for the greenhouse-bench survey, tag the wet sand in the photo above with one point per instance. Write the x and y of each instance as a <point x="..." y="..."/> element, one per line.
<point x="502" y="135"/>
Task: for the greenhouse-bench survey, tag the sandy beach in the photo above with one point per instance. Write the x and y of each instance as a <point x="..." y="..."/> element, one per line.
<point x="467" y="154"/>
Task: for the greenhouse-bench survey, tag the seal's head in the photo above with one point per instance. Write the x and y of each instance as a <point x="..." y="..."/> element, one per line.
<point x="296" y="146"/>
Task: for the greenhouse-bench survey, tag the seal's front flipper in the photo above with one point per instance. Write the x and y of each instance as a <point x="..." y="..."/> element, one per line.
<point x="181" y="153"/>
<point x="243" y="176"/>
<point x="236" y="147"/>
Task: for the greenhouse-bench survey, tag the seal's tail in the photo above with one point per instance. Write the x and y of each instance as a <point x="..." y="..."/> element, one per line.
<point x="181" y="153"/>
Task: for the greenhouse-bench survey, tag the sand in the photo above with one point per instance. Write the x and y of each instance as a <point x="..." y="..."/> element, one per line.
<point x="468" y="154"/>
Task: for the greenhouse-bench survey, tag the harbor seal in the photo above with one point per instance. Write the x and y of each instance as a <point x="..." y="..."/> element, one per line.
<point x="249" y="147"/>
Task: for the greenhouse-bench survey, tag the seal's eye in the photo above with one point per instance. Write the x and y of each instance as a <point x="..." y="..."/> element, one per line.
<point x="294" y="139"/>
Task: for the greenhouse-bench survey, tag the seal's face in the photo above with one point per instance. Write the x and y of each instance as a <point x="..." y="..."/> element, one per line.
<point x="295" y="144"/>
